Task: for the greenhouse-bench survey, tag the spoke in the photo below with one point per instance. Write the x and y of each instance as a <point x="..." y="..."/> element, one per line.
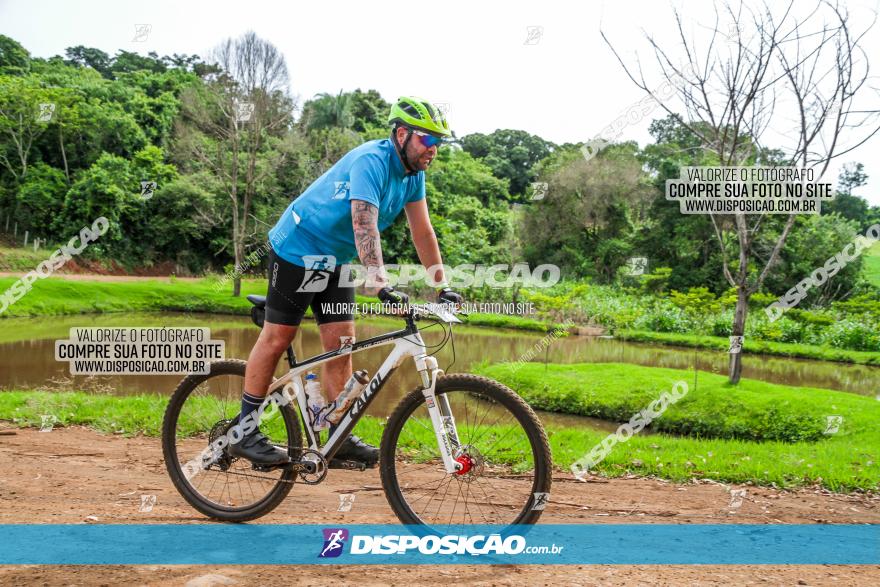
<point x="434" y="494"/>
<point x="488" y="499"/>
<point x="455" y="505"/>
<point x="486" y="496"/>
<point x="493" y="425"/>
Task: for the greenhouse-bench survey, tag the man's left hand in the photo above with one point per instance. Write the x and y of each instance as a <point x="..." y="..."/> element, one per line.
<point x="447" y="296"/>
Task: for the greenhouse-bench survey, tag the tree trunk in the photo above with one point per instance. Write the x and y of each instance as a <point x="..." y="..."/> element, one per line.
<point x="739" y="325"/>
<point x="236" y="282"/>
<point x="63" y="154"/>
<point x="237" y="221"/>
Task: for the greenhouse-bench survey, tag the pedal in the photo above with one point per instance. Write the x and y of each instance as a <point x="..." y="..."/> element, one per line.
<point x="350" y="465"/>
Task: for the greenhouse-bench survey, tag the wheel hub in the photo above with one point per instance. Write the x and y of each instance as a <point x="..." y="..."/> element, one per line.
<point x="471" y="461"/>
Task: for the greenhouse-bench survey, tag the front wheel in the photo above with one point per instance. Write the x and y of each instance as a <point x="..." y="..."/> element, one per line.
<point x="508" y="476"/>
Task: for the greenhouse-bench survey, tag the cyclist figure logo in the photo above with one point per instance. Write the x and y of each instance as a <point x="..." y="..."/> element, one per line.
<point x="334" y="539"/>
<point x="318" y="270"/>
<point x="341" y="189"/>
<point x="541" y="498"/>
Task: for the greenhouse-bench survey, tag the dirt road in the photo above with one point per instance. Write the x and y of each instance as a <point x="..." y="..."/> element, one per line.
<point x="67" y="475"/>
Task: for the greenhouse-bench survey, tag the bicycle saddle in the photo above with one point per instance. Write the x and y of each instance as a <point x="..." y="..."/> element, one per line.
<point x="258" y="312"/>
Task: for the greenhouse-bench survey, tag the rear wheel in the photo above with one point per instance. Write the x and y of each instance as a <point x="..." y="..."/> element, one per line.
<point x="203" y="408"/>
<point x="507" y="464"/>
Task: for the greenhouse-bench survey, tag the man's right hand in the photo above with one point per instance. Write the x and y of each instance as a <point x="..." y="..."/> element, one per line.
<point x="389" y="295"/>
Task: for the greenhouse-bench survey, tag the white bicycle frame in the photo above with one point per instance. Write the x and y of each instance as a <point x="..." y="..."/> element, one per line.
<point x="408" y="345"/>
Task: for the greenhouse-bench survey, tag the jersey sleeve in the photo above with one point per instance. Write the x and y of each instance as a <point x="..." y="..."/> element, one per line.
<point x="366" y="179"/>
<point x="419" y="191"/>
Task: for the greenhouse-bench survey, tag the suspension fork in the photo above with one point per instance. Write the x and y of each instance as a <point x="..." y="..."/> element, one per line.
<point x="440" y="412"/>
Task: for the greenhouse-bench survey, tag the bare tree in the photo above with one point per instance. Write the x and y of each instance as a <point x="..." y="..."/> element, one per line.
<point x="230" y="119"/>
<point x="777" y="68"/>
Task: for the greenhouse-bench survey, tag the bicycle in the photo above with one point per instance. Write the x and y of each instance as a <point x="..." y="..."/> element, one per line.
<point x="501" y="471"/>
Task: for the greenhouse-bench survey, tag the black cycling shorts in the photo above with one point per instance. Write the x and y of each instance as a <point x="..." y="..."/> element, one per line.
<point x="292" y="289"/>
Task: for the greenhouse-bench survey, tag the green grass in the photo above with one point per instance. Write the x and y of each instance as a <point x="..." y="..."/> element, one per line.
<point x="710" y="433"/>
<point x="506" y="321"/>
<point x="735" y="434"/>
<point x="22" y="259"/>
<point x="57" y="297"/>
<point x="753" y="346"/>
<point x="871" y="265"/>
<point x="143" y="414"/>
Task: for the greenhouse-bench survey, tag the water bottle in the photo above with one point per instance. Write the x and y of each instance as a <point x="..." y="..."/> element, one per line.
<point x="350" y="392"/>
<point x="316" y="403"/>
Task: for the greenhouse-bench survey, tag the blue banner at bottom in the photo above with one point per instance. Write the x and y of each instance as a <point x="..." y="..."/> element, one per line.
<point x="265" y="544"/>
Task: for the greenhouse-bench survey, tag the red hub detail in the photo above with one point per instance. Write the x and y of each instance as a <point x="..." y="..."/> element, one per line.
<point x="466" y="464"/>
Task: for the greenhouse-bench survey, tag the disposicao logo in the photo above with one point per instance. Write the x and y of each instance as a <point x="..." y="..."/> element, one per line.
<point x="334" y="540"/>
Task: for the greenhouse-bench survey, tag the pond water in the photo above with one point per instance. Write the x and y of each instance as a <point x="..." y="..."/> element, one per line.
<point x="27" y="356"/>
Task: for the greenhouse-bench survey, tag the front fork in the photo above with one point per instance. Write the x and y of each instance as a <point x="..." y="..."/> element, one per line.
<point x="440" y="412"/>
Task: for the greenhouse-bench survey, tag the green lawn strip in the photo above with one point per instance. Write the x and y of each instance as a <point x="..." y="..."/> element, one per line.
<point x="845" y="461"/>
<point x="143" y="414"/>
<point x="724" y="425"/>
<point x="22" y="259"/>
<point x="753" y="346"/>
<point x="505" y="321"/>
<point x="54" y="296"/>
<point x="871" y="265"/>
<point x="57" y="296"/>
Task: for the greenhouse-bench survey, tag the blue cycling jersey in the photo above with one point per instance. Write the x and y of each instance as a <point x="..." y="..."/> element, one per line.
<point x="318" y="222"/>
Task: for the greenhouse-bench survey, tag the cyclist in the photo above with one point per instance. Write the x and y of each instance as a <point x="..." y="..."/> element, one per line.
<point x="338" y="216"/>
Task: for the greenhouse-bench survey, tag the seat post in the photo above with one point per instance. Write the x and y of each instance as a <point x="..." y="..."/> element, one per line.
<point x="291" y="357"/>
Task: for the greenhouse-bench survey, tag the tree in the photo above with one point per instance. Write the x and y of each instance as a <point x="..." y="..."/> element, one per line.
<point x="22" y="120"/>
<point x="89" y="57"/>
<point x="14" y="59"/>
<point x="589" y="212"/>
<point x="817" y="64"/>
<point x="845" y="202"/>
<point x="233" y="124"/>
<point x="510" y="154"/>
<point x="327" y="110"/>
<point x="370" y="111"/>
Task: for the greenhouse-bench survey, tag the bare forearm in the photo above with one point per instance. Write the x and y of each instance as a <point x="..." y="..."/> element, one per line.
<point x="365" y="218"/>
<point x="428" y="250"/>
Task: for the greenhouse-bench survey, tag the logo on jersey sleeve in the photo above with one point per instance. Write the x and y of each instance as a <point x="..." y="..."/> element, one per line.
<point x="342" y="190"/>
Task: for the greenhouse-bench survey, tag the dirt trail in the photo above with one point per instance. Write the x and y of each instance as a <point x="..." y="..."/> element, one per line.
<point x="68" y="474"/>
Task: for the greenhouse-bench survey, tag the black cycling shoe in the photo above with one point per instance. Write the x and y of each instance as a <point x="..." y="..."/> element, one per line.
<point x="256" y="448"/>
<point x="355" y="450"/>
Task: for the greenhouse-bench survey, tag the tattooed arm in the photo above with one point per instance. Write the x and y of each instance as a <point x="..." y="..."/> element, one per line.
<point x="365" y="221"/>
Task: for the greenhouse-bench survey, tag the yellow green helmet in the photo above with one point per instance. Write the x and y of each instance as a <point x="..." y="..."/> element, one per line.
<point x="419" y="114"/>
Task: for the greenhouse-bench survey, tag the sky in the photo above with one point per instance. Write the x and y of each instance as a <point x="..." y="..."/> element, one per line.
<point x="488" y="61"/>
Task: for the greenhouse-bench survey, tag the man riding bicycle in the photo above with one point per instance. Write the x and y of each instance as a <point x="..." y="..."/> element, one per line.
<point x="338" y="216"/>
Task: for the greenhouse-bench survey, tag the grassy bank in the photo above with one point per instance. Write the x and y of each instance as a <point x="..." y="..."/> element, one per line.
<point x="57" y="297"/>
<point x="756" y="432"/>
<point x="871" y="265"/>
<point x="22" y="259"/>
<point x="753" y="346"/>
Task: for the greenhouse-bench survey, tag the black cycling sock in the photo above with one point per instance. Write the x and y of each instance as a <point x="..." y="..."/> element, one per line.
<point x="249" y="403"/>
